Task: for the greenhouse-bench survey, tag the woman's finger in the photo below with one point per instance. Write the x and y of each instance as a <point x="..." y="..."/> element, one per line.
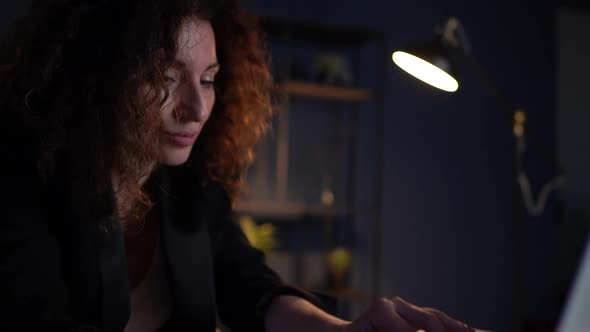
<point x="383" y="316"/>
<point x="419" y="317"/>
<point x="451" y="324"/>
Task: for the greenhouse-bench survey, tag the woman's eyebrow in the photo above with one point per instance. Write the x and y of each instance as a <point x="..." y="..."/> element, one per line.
<point x="214" y="65"/>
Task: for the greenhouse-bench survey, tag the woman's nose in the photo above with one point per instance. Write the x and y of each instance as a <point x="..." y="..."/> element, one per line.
<point x="194" y="103"/>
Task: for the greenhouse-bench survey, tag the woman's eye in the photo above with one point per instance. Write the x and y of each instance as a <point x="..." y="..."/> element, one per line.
<point x="207" y="83"/>
<point x="208" y="80"/>
<point x="171" y="75"/>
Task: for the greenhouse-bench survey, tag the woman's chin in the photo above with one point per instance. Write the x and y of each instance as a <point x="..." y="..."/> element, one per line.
<point x="174" y="157"/>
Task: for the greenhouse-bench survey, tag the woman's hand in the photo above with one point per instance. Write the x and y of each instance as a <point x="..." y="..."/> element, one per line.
<point x="397" y="315"/>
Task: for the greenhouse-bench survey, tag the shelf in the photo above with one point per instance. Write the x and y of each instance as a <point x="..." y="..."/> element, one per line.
<point x="285" y="210"/>
<point x="324" y="91"/>
<point x="301" y="96"/>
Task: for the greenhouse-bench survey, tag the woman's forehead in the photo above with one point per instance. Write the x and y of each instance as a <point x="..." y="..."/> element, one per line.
<point x="194" y="31"/>
<point x="196" y="41"/>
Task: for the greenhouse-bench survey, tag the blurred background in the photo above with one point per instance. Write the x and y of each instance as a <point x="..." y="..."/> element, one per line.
<point x="373" y="183"/>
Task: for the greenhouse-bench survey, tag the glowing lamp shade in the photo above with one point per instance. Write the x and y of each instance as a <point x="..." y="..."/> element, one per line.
<point x="431" y="73"/>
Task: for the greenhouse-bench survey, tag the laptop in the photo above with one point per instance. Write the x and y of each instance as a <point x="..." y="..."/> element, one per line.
<point x="576" y="313"/>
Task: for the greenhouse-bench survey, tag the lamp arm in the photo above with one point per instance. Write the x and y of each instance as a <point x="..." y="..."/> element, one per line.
<point x="454" y="35"/>
<point x="490" y="85"/>
<point x="517" y="118"/>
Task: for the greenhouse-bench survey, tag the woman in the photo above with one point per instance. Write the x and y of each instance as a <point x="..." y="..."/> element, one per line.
<point x="116" y="217"/>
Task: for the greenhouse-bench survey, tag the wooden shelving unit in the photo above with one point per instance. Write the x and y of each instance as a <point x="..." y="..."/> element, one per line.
<point x="282" y="198"/>
<point x="327" y="92"/>
<point x="285" y="210"/>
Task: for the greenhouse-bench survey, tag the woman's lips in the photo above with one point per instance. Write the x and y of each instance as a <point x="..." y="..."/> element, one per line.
<point x="181" y="139"/>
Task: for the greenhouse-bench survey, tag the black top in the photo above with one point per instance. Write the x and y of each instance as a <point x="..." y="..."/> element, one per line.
<point x="60" y="273"/>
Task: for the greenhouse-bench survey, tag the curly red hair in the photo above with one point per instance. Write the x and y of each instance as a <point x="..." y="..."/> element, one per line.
<point x="71" y="73"/>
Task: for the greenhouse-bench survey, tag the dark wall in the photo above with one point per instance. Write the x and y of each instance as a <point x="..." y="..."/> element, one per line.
<point x="10" y="10"/>
<point x="575" y="5"/>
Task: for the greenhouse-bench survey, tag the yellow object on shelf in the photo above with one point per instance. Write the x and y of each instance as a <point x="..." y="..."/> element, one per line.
<point x="261" y="237"/>
<point x="339" y="263"/>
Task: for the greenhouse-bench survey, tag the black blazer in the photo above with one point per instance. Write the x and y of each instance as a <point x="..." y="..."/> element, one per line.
<point x="65" y="274"/>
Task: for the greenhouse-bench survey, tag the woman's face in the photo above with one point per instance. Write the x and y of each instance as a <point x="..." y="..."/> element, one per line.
<point x="191" y="93"/>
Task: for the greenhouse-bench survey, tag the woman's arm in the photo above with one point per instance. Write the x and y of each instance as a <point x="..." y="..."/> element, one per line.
<point x="292" y="314"/>
<point x="33" y="296"/>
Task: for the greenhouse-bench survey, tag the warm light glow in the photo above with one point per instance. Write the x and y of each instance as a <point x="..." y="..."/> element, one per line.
<point x="425" y="71"/>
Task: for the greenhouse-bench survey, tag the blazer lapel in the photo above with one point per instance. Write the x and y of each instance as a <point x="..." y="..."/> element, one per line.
<point x="116" y="303"/>
<point x="186" y="250"/>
